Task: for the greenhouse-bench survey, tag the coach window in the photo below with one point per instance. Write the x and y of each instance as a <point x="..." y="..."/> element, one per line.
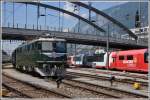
<point x="114" y="59"/>
<point x="129" y="57"/>
<point x="146" y="57"/>
<point x="121" y="57"/>
<point x="77" y="58"/>
<point x="39" y="46"/>
<point x="28" y="47"/>
<point x="33" y="46"/>
<point x="18" y="50"/>
<point x="99" y="57"/>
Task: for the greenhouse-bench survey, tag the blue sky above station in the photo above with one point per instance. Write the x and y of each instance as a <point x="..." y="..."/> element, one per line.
<point x="52" y="18"/>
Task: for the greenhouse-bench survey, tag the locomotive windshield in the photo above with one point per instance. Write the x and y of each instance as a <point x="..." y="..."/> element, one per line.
<point x="47" y="46"/>
<point x="59" y="47"/>
<point x="99" y="57"/>
<point x="90" y="58"/>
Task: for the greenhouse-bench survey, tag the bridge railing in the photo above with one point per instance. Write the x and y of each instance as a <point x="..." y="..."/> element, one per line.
<point x="91" y="37"/>
<point x="35" y="27"/>
<point x="70" y="33"/>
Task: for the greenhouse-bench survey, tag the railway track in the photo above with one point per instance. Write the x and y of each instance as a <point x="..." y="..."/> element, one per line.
<point x="28" y="90"/>
<point x="77" y="91"/>
<point x="99" y="89"/>
<point x="127" y="81"/>
<point x="84" y="87"/>
<point x="69" y="89"/>
<point x="14" y="92"/>
<point x="116" y="73"/>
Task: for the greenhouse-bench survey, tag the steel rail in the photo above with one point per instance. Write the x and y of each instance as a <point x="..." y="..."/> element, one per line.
<point x="113" y="89"/>
<point x="92" y="90"/>
<point x="12" y="89"/>
<point x="38" y="87"/>
<point x="107" y="78"/>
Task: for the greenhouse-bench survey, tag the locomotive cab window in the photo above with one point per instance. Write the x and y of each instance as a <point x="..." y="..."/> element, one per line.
<point x="47" y="46"/>
<point x="38" y="45"/>
<point x="59" y="47"/>
<point x="121" y="57"/>
<point x="129" y="57"/>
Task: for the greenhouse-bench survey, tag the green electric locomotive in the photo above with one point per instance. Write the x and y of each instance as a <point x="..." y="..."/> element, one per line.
<point x="45" y="56"/>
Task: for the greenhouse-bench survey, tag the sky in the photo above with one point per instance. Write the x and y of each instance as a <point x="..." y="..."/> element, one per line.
<point x="52" y="17"/>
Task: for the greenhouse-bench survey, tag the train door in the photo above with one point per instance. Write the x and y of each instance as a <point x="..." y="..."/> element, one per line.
<point x="84" y="61"/>
<point x="112" y="61"/>
<point x="146" y="57"/>
<point x="78" y="60"/>
<point x="145" y="62"/>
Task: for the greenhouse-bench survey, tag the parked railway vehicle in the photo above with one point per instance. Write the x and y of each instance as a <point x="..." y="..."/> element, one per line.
<point x="80" y="60"/>
<point x="100" y="60"/>
<point x="46" y="56"/>
<point x="129" y="60"/>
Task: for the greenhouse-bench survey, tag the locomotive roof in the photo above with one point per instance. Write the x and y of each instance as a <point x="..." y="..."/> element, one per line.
<point x="48" y="39"/>
<point x="42" y="39"/>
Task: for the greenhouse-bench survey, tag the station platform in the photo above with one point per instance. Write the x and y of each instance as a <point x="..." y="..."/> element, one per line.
<point x="29" y="79"/>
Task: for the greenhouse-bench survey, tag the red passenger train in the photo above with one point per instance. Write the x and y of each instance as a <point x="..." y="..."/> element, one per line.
<point x="130" y="60"/>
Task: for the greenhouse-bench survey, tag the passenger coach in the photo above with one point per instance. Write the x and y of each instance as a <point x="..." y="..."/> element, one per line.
<point x="130" y="60"/>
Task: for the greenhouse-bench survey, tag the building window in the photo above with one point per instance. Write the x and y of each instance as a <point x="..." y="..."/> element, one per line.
<point x="129" y="57"/>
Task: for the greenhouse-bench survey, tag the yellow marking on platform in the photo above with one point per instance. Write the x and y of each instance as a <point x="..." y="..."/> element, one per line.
<point x="136" y="85"/>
